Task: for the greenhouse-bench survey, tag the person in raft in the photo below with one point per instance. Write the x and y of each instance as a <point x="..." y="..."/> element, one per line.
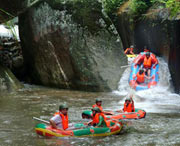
<point x="141" y="76"/>
<point x="60" y="119"/>
<point x="98" y="118"/>
<point x="98" y="104"/>
<point x="128" y="105"/>
<point x="129" y="51"/>
<point x="148" y="61"/>
<point x="146" y="49"/>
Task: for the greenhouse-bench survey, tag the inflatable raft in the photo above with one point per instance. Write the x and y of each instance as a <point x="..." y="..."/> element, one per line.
<point x="131" y="58"/>
<point x="134" y="70"/>
<point x="138" y="114"/>
<point x="48" y="131"/>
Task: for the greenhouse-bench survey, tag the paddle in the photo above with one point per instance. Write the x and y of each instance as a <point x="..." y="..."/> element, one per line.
<point x="38" y="119"/>
<point x="124" y="66"/>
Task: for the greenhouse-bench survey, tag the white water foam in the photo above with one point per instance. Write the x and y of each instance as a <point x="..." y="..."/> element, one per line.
<point x="159" y="99"/>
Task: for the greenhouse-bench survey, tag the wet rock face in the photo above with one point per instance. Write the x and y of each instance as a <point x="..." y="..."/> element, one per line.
<point x="71" y="45"/>
<point x="8" y="81"/>
<point x="174" y="55"/>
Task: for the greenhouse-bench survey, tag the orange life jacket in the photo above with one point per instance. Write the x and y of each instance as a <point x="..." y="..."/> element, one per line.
<point x="100" y="107"/>
<point x="96" y="119"/>
<point x="128" y="108"/>
<point x="140" y="78"/>
<point x="147" y="62"/>
<point x="64" y="118"/>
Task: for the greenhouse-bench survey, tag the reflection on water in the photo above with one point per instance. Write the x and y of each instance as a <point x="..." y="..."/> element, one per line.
<point x="160" y="127"/>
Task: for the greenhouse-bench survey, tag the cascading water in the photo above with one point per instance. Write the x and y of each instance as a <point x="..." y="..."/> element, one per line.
<point x="159" y="99"/>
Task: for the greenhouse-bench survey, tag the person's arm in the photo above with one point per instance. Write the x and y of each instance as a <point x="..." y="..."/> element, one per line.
<point x="120" y="111"/>
<point x="132" y="101"/>
<point x="101" y="119"/>
<point x="148" y="77"/>
<point x="131" y="52"/>
<point x="53" y="124"/>
<point x="55" y="120"/>
<point x="126" y="51"/>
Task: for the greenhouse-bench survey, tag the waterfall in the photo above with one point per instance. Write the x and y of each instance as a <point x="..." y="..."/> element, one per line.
<point x="160" y="98"/>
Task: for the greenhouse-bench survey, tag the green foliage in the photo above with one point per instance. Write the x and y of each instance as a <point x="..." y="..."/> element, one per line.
<point x="138" y="7"/>
<point x="111" y="6"/>
<point x="172" y="5"/>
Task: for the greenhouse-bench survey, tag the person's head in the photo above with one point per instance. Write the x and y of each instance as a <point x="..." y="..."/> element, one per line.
<point x="147" y="54"/>
<point x="141" y="71"/>
<point x="96" y="110"/>
<point x="87" y="114"/>
<point x="98" y="101"/>
<point x="146" y="49"/>
<point x="127" y="100"/>
<point x="63" y="108"/>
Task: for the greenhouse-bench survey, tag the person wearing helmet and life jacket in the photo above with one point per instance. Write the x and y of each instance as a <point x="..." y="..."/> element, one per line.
<point x="146" y="49"/>
<point x="128" y="105"/>
<point x="60" y="119"/>
<point x="98" y="104"/>
<point x="129" y="50"/>
<point x="148" y="61"/>
<point x="98" y="118"/>
<point x="141" y="76"/>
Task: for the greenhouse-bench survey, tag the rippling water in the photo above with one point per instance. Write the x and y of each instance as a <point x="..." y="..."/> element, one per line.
<point x="160" y="127"/>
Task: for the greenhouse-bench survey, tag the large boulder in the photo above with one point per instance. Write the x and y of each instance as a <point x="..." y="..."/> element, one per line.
<point x="8" y="81"/>
<point x="71" y="44"/>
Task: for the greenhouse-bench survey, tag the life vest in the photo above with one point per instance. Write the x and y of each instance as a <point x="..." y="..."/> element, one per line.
<point x="64" y="118"/>
<point x="147" y="62"/>
<point x="128" y="108"/>
<point x="140" y="78"/>
<point x="100" y="107"/>
<point x="96" y="119"/>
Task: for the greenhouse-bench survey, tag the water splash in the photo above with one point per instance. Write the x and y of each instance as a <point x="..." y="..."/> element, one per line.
<point x="159" y="99"/>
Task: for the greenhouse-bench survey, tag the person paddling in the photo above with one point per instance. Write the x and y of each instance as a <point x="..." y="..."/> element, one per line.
<point x="146" y="49"/>
<point x="98" y="104"/>
<point x="141" y="76"/>
<point x="147" y="63"/>
<point x="98" y="118"/>
<point x="60" y="119"/>
<point x="128" y="105"/>
<point x="129" y="50"/>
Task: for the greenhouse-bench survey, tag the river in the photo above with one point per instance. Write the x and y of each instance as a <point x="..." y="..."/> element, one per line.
<point x="160" y="127"/>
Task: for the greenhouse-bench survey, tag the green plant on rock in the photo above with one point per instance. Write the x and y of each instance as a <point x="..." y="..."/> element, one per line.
<point x="172" y="5"/>
<point x="138" y="7"/>
<point x="111" y="6"/>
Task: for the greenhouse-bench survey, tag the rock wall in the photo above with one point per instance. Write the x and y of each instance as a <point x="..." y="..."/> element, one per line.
<point x="71" y="45"/>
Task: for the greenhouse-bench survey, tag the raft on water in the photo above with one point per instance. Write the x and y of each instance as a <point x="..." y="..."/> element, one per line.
<point x="48" y="131"/>
<point x="138" y="114"/>
<point x="134" y="70"/>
